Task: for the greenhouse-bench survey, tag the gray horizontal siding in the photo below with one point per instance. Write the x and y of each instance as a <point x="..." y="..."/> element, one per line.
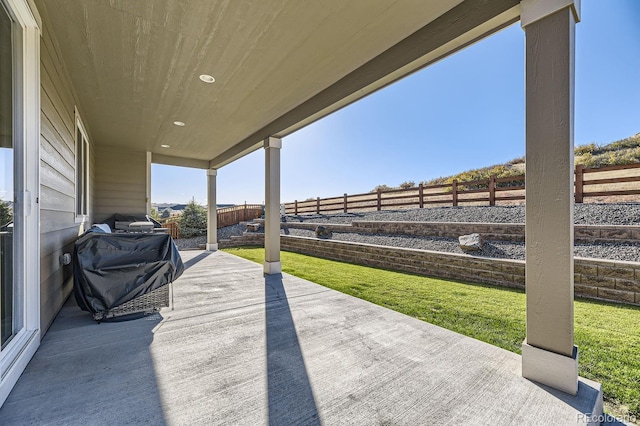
<point x="52" y="177"/>
<point x="120" y="182"/>
<point x="51" y="199"/>
<point x="54" y="240"/>
<point x="58" y="227"/>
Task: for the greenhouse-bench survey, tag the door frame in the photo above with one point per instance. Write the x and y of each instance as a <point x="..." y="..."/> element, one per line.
<point x="17" y="354"/>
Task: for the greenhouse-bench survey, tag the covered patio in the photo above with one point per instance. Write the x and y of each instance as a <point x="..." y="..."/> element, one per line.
<point x="240" y="347"/>
<point x="116" y="86"/>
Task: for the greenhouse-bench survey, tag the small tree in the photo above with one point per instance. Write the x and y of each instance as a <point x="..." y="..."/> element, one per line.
<point x="154" y="213"/>
<point x="408" y="184"/>
<point x="6" y="215"/>
<point x="193" y="221"/>
<point x="166" y="214"/>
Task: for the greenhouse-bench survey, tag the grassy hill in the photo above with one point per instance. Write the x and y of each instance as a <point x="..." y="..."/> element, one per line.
<point x="624" y="151"/>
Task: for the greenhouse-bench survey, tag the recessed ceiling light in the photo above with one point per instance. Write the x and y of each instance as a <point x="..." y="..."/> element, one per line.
<point x="179" y="123"/>
<point x="166" y="146"/>
<point x="207" y="78"/>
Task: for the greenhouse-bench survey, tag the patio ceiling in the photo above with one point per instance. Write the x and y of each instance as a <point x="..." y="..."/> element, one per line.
<point x="278" y="64"/>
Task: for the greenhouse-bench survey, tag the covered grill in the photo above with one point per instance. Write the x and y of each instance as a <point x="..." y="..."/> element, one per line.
<point x="124" y="273"/>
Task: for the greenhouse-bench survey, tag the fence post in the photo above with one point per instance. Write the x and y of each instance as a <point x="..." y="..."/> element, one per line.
<point x="492" y="190"/>
<point x="579" y="183"/>
<point x="379" y="199"/>
<point x="454" y="192"/>
<point x="318" y="205"/>
<point x="420" y="195"/>
<point x="295" y="207"/>
<point x="345" y="202"/>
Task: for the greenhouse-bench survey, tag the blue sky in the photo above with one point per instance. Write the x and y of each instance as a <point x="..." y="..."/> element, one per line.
<point x="463" y="112"/>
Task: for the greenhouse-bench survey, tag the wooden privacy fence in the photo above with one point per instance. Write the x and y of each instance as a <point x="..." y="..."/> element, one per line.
<point x="227" y="216"/>
<point x="172" y="226"/>
<point x="603" y="181"/>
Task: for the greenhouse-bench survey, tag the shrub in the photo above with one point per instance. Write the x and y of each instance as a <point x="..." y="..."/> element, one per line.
<point x="193" y="221"/>
<point x="586" y="149"/>
<point x="625" y="151"/>
<point x="586" y="160"/>
<point x="499" y="171"/>
<point x="382" y="188"/>
<point x="6" y="215"/>
<point x="408" y="184"/>
<point x="437" y="181"/>
<point x="630" y="142"/>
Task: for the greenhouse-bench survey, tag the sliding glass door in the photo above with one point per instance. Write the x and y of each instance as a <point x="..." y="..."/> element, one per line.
<point x="19" y="189"/>
<point x="7" y="170"/>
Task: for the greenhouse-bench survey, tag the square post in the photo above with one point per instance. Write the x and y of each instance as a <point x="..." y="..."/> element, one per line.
<point x="492" y="190"/>
<point x="272" y="264"/>
<point x="548" y="353"/>
<point x="454" y="193"/>
<point x="148" y="188"/>
<point x="579" y="184"/>
<point x="212" y="211"/>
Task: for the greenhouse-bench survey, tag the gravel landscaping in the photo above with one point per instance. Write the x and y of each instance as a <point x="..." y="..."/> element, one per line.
<point x="190" y="243"/>
<point x="495" y="249"/>
<point x="591" y="214"/>
<point x="223" y="234"/>
<point x="587" y="214"/>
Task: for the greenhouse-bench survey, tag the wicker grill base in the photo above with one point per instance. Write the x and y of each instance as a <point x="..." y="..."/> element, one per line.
<point x="146" y="304"/>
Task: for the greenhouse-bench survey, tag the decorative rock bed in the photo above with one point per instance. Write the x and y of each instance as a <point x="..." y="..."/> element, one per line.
<point x="607" y="245"/>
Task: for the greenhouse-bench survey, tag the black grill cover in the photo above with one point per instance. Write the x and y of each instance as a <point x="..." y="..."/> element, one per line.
<point x="112" y="269"/>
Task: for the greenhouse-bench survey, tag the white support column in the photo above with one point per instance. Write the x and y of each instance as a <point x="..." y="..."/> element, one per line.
<point x="149" y="155"/>
<point x="212" y="211"/>
<point x="272" y="264"/>
<point x="548" y="353"/>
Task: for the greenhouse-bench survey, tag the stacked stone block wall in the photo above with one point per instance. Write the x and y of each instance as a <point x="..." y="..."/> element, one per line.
<point x="490" y="231"/>
<point x="594" y="278"/>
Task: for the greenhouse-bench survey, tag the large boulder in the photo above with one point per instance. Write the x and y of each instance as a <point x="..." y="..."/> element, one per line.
<point x="253" y="227"/>
<point x="471" y="242"/>
<point x="323" y="232"/>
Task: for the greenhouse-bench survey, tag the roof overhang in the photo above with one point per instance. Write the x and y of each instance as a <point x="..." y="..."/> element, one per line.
<point x="279" y="65"/>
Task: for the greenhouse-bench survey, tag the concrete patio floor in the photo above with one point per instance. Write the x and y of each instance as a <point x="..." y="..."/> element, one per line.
<point x="239" y="348"/>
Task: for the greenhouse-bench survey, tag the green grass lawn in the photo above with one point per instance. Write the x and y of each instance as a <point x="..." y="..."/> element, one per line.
<point x="608" y="335"/>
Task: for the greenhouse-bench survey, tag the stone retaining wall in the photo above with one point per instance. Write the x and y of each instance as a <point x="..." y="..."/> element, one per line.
<point x="594" y="278"/>
<point x="491" y="231"/>
<point x="248" y="239"/>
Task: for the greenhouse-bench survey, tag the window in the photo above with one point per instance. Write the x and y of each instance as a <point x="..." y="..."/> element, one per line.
<point x="82" y="170"/>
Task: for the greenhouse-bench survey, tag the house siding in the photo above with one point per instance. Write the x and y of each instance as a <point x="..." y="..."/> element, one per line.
<point x="121" y="178"/>
<point x="58" y="227"/>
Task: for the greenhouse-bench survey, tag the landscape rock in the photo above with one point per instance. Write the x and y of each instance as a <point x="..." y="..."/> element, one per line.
<point x="585" y="214"/>
<point x="253" y="227"/>
<point x="471" y="242"/>
<point x="610" y="214"/>
<point x="322" y="232"/>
